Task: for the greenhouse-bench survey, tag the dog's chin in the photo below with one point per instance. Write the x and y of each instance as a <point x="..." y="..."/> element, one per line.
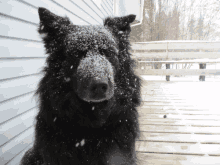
<point x="95" y="101"/>
<point x="98" y="111"/>
<point x="98" y="123"/>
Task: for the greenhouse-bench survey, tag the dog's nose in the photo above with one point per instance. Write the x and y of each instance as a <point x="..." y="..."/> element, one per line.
<point x="95" y="89"/>
<point x="98" y="89"/>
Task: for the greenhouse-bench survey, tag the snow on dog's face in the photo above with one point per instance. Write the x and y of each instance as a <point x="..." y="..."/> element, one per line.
<point x="97" y="51"/>
<point x="87" y="59"/>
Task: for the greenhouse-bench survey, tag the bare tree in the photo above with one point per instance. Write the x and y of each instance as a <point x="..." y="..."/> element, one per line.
<point x="180" y="19"/>
<point x="203" y="14"/>
<point x="199" y="28"/>
<point x="192" y="28"/>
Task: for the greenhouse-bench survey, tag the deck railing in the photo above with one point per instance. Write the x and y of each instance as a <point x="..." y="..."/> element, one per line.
<point x="178" y="52"/>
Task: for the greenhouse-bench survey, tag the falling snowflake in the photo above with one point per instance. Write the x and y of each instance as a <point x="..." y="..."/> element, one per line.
<point x="55" y="119"/>
<point x="43" y="35"/>
<point x="67" y="79"/>
<point x="82" y="142"/>
<point x="77" y="144"/>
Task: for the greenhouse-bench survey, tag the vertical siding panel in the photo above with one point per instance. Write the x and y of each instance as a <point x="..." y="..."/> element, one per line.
<point x="16" y="48"/>
<point x="59" y="10"/>
<point x="10" y="149"/>
<point x="99" y="7"/>
<point x="22" y="58"/>
<point x="16" y="160"/>
<point x="16" y="106"/>
<point x="103" y="6"/>
<point x="18" y="29"/>
<point x="85" y="10"/>
<point x="80" y="13"/>
<point x="94" y="8"/>
<point x="13" y="8"/>
<point x="16" y="87"/>
<point x="20" y="67"/>
<point x="14" y="127"/>
<point x="107" y="7"/>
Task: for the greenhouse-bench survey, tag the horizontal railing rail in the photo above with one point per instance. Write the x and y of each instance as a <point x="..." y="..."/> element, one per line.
<point x="176" y="52"/>
<point x="180" y="62"/>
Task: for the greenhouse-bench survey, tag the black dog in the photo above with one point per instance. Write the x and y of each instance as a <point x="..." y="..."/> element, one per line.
<point x="88" y="95"/>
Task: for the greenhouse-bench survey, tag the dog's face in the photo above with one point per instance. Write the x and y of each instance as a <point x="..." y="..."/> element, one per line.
<point x="91" y="59"/>
<point x="96" y="50"/>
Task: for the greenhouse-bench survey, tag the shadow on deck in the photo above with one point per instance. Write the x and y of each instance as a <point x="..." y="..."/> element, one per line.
<point x="180" y="123"/>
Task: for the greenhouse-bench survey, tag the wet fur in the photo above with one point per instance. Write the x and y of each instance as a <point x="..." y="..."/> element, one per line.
<point x="67" y="130"/>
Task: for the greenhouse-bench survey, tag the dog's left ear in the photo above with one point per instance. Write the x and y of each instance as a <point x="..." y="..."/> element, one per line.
<point x="120" y="23"/>
<point x="52" y="23"/>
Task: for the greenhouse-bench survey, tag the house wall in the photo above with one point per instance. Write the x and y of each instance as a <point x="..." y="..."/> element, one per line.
<point x="22" y="57"/>
<point x="125" y="7"/>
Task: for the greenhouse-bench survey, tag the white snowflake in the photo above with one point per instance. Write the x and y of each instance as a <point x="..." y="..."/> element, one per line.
<point x="82" y="142"/>
<point x="77" y="144"/>
<point x="55" y="119"/>
<point x="43" y="35"/>
<point x="67" y="79"/>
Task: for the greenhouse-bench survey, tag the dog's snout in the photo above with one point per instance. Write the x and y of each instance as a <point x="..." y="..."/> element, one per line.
<point x="96" y="82"/>
<point x="97" y="89"/>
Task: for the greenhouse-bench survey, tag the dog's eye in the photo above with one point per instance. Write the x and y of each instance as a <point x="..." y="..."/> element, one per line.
<point x="110" y="55"/>
<point x="107" y="53"/>
<point x="80" y="54"/>
<point x="102" y="52"/>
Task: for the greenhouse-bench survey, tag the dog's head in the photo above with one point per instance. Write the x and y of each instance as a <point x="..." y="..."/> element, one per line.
<point x="90" y="64"/>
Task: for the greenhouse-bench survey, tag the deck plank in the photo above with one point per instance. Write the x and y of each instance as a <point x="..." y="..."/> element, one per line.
<point x="178" y="148"/>
<point x="180" y="137"/>
<point x="179" y="129"/>
<point x="179" y="123"/>
<point x="172" y="159"/>
<point x="182" y="116"/>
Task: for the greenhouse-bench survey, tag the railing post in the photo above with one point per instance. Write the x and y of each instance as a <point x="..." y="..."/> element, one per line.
<point x="202" y="66"/>
<point x="167" y="65"/>
<point x="168" y="76"/>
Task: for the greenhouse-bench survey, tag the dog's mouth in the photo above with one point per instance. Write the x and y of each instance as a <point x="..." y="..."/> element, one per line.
<point x="97" y="111"/>
<point x="98" y="105"/>
<point x="100" y="112"/>
<point x="92" y="104"/>
<point x="96" y="94"/>
<point x="101" y="100"/>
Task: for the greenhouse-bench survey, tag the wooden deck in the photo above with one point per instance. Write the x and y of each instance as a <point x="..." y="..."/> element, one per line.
<point x="180" y="123"/>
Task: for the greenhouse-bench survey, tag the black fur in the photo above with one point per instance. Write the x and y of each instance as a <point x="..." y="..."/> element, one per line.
<point x="70" y="130"/>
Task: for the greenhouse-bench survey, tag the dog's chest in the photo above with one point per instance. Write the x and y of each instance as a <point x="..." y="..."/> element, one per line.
<point x="116" y="157"/>
<point x="101" y="152"/>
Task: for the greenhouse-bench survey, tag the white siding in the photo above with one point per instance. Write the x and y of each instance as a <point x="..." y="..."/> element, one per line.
<point x="22" y="57"/>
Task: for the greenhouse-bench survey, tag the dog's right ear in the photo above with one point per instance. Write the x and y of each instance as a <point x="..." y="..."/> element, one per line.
<point x="120" y="23"/>
<point x="51" y="23"/>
